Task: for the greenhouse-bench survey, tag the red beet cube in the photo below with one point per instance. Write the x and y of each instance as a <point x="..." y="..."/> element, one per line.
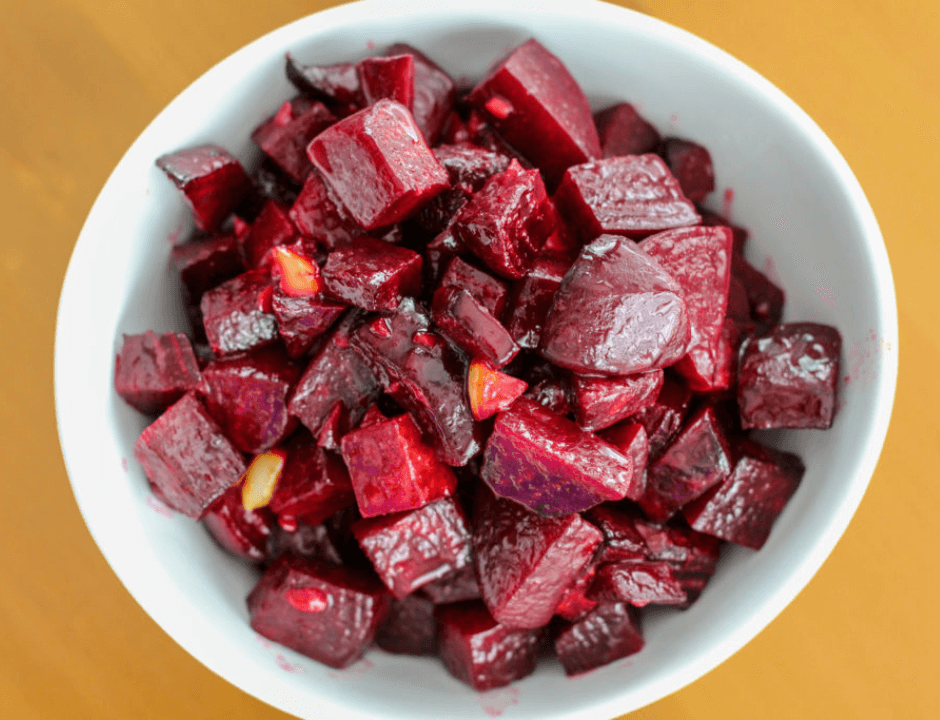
<point x="687" y="550"/>
<point x="740" y="235"/>
<point x="151" y="372"/>
<point x="326" y="612"/>
<point x="699" y="260"/>
<point x="638" y="583"/>
<point x="469" y="166"/>
<point x="439" y="252"/>
<point x="391" y="77"/>
<point x="574" y="604"/>
<point x="764" y="297"/>
<point x="244" y="533"/>
<point x="526" y="562"/>
<point x="372" y="274"/>
<point x="631" y="439"/>
<point x="663" y="419"/>
<point x="434" y="92"/>
<point x="410" y="629"/>
<point x="465" y="321"/>
<point x="413" y="548"/>
<point x="691" y="164"/>
<point x="532" y="298"/>
<point x="622" y="539"/>
<point x="270" y="229"/>
<point x="377" y="164"/>
<point x="302" y="320"/>
<point x="459" y="585"/>
<point x="318" y="214"/>
<point x="309" y="541"/>
<point x="392" y="469"/>
<point x="490" y="292"/>
<point x="539" y="108"/>
<point x="212" y="181"/>
<point x="607" y="633"/>
<point x="617" y="312"/>
<point x="336" y="85"/>
<point x="599" y="402"/>
<point x="631" y="195"/>
<point x="787" y="377"/>
<point x="187" y="458"/>
<point x="744" y="507"/>
<point x="284" y="136"/>
<point x="623" y="131"/>
<point x="234" y="317"/>
<point x="204" y="263"/>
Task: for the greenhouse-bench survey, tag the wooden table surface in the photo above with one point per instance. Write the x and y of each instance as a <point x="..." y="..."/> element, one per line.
<point x="82" y="78"/>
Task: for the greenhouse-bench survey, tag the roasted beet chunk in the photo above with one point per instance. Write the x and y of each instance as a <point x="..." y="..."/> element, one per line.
<point x="691" y="164"/>
<point x="632" y="195"/>
<point x="326" y="612"/>
<point x="623" y="132"/>
<point x="372" y="274"/>
<point x="187" y="458"/>
<point x="638" y="583"/>
<point x="284" y="136"/>
<point x="206" y="262"/>
<point x="318" y="215"/>
<point x="457" y="586"/>
<point x="302" y="320"/>
<point x="526" y="562"/>
<point x="211" y="179"/>
<point x="481" y="652"/>
<point x="600" y="402"/>
<point x="607" y="633"/>
<point x="271" y="228"/>
<point x="244" y="533"/>
<point x="764" y="297"/>
<point x="434" y="92"/>
<point x="234" y="316"/>
<point x="391" y="77"/>
<point x="410" y="629"/>
<point x="469" y="166"/>
<point x="336" y="85"/>
<point x="490" y="292"/>
<point x="663" y="419"/>
<point x="377" y="164"/>
<point x="531" y="299"/>
<point x="464" y="320"/>
<point x="787" y="377"/>
<point x="617" y="312"/>
<point x="151" y="372"/>
<point x="539" y="108"/>
<point x="549" y="464"/>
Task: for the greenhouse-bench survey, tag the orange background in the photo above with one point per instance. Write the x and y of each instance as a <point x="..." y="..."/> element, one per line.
<point x="80" y="79"/>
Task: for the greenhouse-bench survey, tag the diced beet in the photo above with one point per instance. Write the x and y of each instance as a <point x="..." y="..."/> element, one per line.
<point x="540" y="109"/>
<point x="411" y="549"/>
<point x="372" y="274"/>
<point x="663" y="419"/>
<point x="151" y="371"/>
<point x="391" y="77"/>
<point x="631" y="439"/>
<point x="464" y="320"/>
<point x="740" y="235"/>
<point x="234" y="318"/>
<point x="631" y="195"/>
<point x="549" y="464"/>
<point x="271" y="228"/>
<point x="490" y="292"/>
<point x="309" y="541"/>
<point x="326" y="612"/>
<point x="438" y="254"/>
<point x="623" y="131"/>
<point x="187" y="458"/>
<point x="699" y="260"/>
<point x="687" y="550"/>
<point x="638" y="583"/>
<point x="691" y="164"/>
<point x="211" y="179"/>
<point x="434" y="92"/>
<point x="459" y="585"/>
<point x="491" y="391"/>
<point x="284" y="136"/>
<point x="392" y="469"/>
<point x="622" y="539"/>
<point x="787" y="377"/>
<point x="744" y="507"/>
<point x="764" y="297"/>
<point x="697" y="459"/>
<point x="617" y="312"/>
<point x="574" y="604"/>
<point x="204" y="263"/>
<point x="551" y="393"/>
<point x="469" y="166"/>
<point x="505" y="223"/>
<point x="531" y="298"/>
<point x="378" y="165"/>
<point x="334" y="427"/>
<point x="426" y="375"/>
<point x="270" y="183"/>
<point x="454" y="131"/>
<point x="244" y="533"/>
<point x="336" y="85"/>
<point x="599" y="402"/>
<point x="481" y="652"/>
<point x="301" y="321"/>
<point x="318" y="215"/>
<point x="609" y="632"/>
<point x="410" y="629"/>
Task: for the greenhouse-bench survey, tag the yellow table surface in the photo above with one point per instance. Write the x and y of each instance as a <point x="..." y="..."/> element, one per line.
<point x="81" y="79"/>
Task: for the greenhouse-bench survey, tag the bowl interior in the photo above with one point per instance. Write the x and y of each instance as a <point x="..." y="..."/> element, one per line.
<point x="811" y="230"/>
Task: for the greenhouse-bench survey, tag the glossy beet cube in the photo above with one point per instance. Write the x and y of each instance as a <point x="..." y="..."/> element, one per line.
<point x="599" y="402"/>
<point x="378" y="164"/>
<point x="464" y="320"/>
<point x="764" y="297"/>
<point x="459" y="585"/>
<point x="204" y="263"/>
<point x="434" y="92"/>
<point x="187" y="458"/>
<point x="372" y="274"/>
<point x="234" y="316"/>
<point x="391" y="77"/>
<point x="490" y="292"/>
<point x="211" y="179"/>
<point x="787" y="377"/>
<point x="392" y="469"/>
<point x="697" y="459"/>
<point x="284" y="136"/>
<point x="631" y="195"/>
<point x="438" y="254"/>
<point x="691" y="164"/>
<point x="469" y="166"/>
<point x="506" y="222"/>
<point x="638" y="583"/>
<point x="631" y="439"/>
<point x="744" y="507"/>
<point x="319" y="215"/>
<point x="532" y="297"/>
<point x="687" y="550"/>
<point x="336" y="85"/>
<point x="575" y="604"/>
<point x="426" y="375"/>
<point x="663" y="419"/>
<point x="526" y="562"/>
<point x="411" y="549"/>
<point x="623" y="131"/>
<point x="539" y="108"/>
<point x="244" y="533"/>
<point x="617" y="312"/>
<point x="609" y="632"/>
<point x="549" y="464"/>
<point x="326" y="612"/>
<point x="152" y="371"/>
<point x="410" y="629"/>
<point x="270" y="229"/>
<point x="622" y="539"/>
<point x="699" y="260"/>
<point x="301" y="321"/>
<point x="480" y="651"/>
<point x="309" y="541"/>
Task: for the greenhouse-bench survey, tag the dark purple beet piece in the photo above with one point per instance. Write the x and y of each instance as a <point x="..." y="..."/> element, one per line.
<point x="434" y="92"/>
<point x="378" y="165"/>
<point x="439" y="252"/>
<point x="284" y="136"/>
<point x="326" y="612"/>
<point x="151" y="371"/>
<point x="631" y="439"/>
<point x="687" y="550"/>
<point x="336" y="85"/>
<point x="740" y="235"/>
<point x="787" y="377"/>
<point x="270" y="229"/>
<point x="411" y="628"/>
<point x="622" y="539"/>
<point x="539" y="108"/>
<point x="481" y="652"/>
<point x="465" y="321"/>
<point x="459" y="585"/>
<point x="490" y="292"/>
<point x="638" y="583"/>
<point x="699" y="260"/>
<point x="599" y="402"/>
<point x="310" y="541"/>
<point x="574" y="604"/>
<point x="301" y="321"/>
<point x="697" y="459"/>
<point x="244" y="533"/>
<point x="372" y="274"/>
<point x="391" y="77"/>
<point x="531" y="298"/>
<point x="411" y="549"/>
<point x="234" y="317"/>
<point x="631" y="195"/>
<point x="270" y="183"/>
<point x="318" y="215"/>
<point x="744" y="507"/>
<point x="764" y="297"/>
<point x="204" y="263"/>
<point x="469" y="166"/>
<point x="426" y="375"/>
<point x="623" y="131"/>
<point x="187" y="458"/>
<point x="663" y="419"/>
<point x="212" y="181"/>
<point x="609" y="632"/>
<point x="691" y="164"/>
<point x="617" y="312"/>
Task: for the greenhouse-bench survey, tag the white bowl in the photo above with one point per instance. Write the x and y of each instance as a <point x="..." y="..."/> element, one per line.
<point x="811" y="227"/>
